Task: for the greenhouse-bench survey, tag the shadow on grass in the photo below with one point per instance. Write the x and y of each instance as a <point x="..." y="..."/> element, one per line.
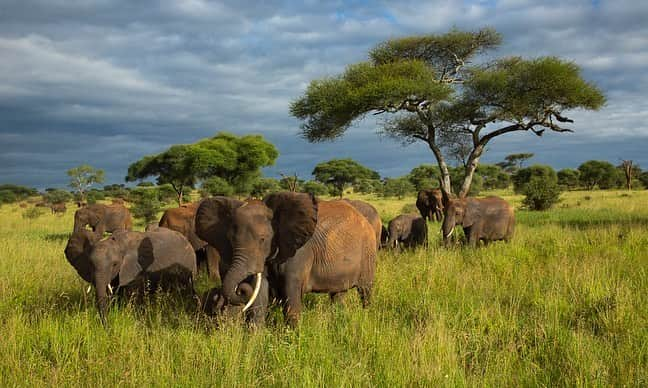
<point x="57" y="237"/>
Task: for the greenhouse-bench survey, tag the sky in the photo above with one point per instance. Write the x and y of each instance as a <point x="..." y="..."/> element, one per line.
<point x="108" y="82"/>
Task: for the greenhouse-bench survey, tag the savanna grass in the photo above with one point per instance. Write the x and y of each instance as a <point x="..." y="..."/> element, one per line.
<point x="565" y="303"/>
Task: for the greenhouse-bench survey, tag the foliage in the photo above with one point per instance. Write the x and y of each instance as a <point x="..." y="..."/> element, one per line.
<point x="117" y="191"/>
<point x="523" y="176"/>
<point x="438" y="99"/>
<point x="397" y="187"/>
<point x="264" y="186"/>
<point x="457" y="175"/>
<point x="166" y="194"/>
<point x="315" y="188"/>
<point x="57" y="196"/>
<point x="83" y="177"/>
<point x="425" y="176"/>
<point x="513" y="162"/>
<point x="217" y="186"/>
<point x="11" y="193"/>
<point x="493" y="177"/>
<point x="598" y="173"/>
<point x="146" y="204"/>
<point x="340" y="173"/>
<point x="643" y="178"/>
<point x="237" y="160"/>
<point x="145" y="184"/>
<point x="33" y="212"/>
<point x="541" y="192"/>
<point x="290" y="182"/>
<point x="629" y="171"/>
<point x="569" y="178"/>
<point x="367" y="186"/>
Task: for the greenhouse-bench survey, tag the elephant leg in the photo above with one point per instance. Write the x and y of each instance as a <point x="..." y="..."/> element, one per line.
<point x="213" y="260"/>
<point x="256" y="315"/>
<point x="365" y="295"/>
<point x="293" y="305"/>
<point x="337" y="297"/>
<point x="472" y="237"/>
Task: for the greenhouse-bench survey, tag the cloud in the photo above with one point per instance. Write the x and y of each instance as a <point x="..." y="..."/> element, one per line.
<point x="107" y="82"/>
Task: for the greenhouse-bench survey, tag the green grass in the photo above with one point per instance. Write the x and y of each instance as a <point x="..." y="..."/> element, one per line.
<point x="565" y="303"/>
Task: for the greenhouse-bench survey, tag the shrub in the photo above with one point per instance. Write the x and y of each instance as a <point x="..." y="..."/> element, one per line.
<point x="315" y="188"/>
<point x="7" y="196"/>
<point x="569" y="178"/>
<point x="367" y="186"/>
<point x="11" y="193"/>
<point x="33" y="213"/>
<point x="264" y="186"/>
<point x="397" y="187"/>
<point x="57" y="196"/>
<point x="146" y="204"/>
<point x="95" y="195"/>
<point x="523" y="176"/>
<point x="457" y="175"/>
<point x="217" y="186"/>
<point x="541" y="193"/>
<point x="493" y="176"/>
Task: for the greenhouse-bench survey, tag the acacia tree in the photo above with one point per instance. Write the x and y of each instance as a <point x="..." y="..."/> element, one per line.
<point x="630" y="170"/>
<point x="433" y="92"/>
<point x="513" y="162"/>
<point x="236" y="160"/>
<point x="83" y="177"/>
<point x="340" y="173"/>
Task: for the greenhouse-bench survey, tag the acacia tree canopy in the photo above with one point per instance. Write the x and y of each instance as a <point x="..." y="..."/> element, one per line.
<point x="236" y="160"/>
<point x="340" y="173"/>
<point x="437" y="97"/>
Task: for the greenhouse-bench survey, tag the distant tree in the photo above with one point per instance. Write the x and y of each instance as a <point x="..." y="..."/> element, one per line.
<point x="83" y="177"/>
<point x="367" y="186"/>
<point x="146" y="204"/>
<point x="145" y="184"/>
<point x="425" y="176"/>
<point x="12" y="193"/>
<point x="7" y="196"/>
<point x="523" y="176"/>
<point x="341" y="173"/>
<point x="435" y="90"/>
<point x="630" y="171"/>
<point x="57" y="196"/>
<point x="397" y="187"/>
<point x="493" y="177"/>
<point x="569" y="178"/>
<point x="599" y="173"/>
<point x="315" y="188"/>
<point x="237" y="160"/>
<point x="166" y="193"/>
<point x="265" y="186"/>
<point x="514" y="162"/>
<point x="643" y="178"/>
<point x="290" y="183"/>
<point x="541" y="193"/>
<point x="218" y="186"/>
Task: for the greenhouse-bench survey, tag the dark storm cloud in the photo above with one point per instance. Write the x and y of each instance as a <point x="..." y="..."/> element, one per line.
<point x="106" y="82"/>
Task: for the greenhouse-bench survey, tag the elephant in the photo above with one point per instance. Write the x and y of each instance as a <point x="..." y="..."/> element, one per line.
<point x="430" y="204"/>
<point x="295" y="242"/>
<point x="131" y="260"/>
<point x="486" y="219"/>
<point x="182" y="219"/>
<point x="408" y="230"/>
<point x="103" y="218"/>
<point x="371" y="214"/>
<point x="58" y="208"/>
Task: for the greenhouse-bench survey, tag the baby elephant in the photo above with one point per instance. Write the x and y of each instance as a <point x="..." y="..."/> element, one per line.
<point x="131" y="260"/>
<point x="408" y="230"/>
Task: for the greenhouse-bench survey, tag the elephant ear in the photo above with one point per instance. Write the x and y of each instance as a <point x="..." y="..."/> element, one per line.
<point x="77" y="252"/>
<point x="136" y="261"/>
<point x="294" y="220"/>
<point x="213" y="219"/>
<point x="471" y="213"/>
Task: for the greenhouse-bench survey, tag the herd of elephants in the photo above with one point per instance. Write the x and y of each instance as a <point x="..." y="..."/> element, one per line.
<point x="264" y="251"/>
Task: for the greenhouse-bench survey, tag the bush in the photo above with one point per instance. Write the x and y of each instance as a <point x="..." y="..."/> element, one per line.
<point x="7" y="196"/>
<point x="397" y="187"/>
<point x="166" y="193"/>
<point x="217" y="186"/>
<point x="146" y="204"/>
<point x="599" y="173"/>
<point x="13" y="193"/>
<point x="523" y="176"/>
<point x="315" y="188"/>
<point x="367" y="186"/>
<point x="457" y="175"/>
<point x="568" y="178"/>
<point x="95" y="195"/>
<point x="33" y="213"/>
<point x="541" y="193"/>
<point x="264" y="186"/>
<point x="57" y="196"/>
<point x="493" y="176"/>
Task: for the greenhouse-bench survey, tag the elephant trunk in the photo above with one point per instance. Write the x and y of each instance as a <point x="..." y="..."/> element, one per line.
<point x="235" y="289"/>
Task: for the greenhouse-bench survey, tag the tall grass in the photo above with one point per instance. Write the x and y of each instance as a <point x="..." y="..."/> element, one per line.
<point x="565" y="303"/>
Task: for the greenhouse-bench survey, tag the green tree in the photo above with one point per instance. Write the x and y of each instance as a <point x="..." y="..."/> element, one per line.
<point x="367" y="186"/>
<point x="425" y="176"/>
<point x="457" y="176"/>
<point x="265" y="186"/>
<point x="11" y="193"/>
<point x="237" y="160"/>
<point x="290" y="182"/>
<point x="83" y="177"/>
<point x="643" y="178"/>
<point x="493" y="177"/>
<point x="568" y="178"/>
<point x="514" y="162"/>
<point x="315" y="188"/>
<point x="397" y="187"/>
<point x="57" y="196"/>
<point x="427" y="83"/>
<point x="629" y="171"/>
<point x="599" y="173"/>
<point x="340" y="173"/>
<point x="523" y="176"/>
<point x="217" y="186"/>
<point x="146" y="204"/>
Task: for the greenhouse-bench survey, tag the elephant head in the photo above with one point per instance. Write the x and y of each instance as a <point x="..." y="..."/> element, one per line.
<point x="457" y="211"/>
<point x="78" y="250"/>
<point x="88" y="215"/>
<point x="249" y="234"/>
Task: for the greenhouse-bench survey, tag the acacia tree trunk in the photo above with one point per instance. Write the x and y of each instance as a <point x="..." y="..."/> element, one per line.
<point x="471" y="166"/>
<point x="443" y="167"/>
<point x="627" y="169"/>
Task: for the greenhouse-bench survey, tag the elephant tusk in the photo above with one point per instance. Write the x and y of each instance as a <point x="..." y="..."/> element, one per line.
<point x="89" y="289"/>
<point x="257" y="287"/>
<point x="450" y="234"/>
<point x="110" y="289"/>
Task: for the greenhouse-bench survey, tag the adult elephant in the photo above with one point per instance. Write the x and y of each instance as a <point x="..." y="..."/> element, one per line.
<point x="293" y="241"/>
<point x="182" y="220"/>
<point x="103" y="218"/>
<point x="486" y="219"/>
<point x="408" y="230"/>
<point x="430" y="204"/>
<point x="371" y="214"/>
<point x="131" y="260"/>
